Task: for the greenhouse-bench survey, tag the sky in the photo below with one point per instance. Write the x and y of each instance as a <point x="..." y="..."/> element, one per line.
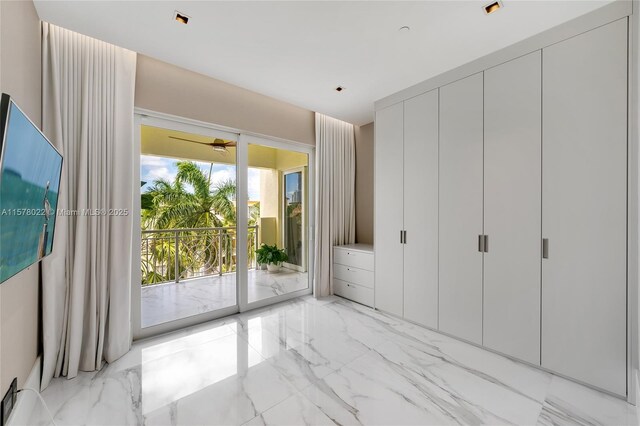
<point x="153" y="168"/>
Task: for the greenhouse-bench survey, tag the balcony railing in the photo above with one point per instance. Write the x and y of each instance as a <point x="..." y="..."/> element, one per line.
<point x="178" y="254"/>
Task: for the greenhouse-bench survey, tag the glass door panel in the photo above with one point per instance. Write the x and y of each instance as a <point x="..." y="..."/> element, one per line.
<point x="277" y="222"/>
<point x="188" y="225"/>
<point x="293" y="220"/>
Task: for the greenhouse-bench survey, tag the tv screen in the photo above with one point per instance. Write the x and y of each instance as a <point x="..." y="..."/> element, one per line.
<point x="30" y="169"/>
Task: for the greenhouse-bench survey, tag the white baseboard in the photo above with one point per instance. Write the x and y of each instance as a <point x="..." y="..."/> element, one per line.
<point x="27" y="401"/>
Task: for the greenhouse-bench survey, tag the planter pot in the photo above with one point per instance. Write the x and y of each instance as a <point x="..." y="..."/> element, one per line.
<point x="274" y="267"/>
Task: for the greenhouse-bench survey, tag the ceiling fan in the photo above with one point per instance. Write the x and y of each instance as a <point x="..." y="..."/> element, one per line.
<point x="218" y="145"/>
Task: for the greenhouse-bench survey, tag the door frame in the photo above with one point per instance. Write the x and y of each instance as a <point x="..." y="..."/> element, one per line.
<point x="243" y="139"/>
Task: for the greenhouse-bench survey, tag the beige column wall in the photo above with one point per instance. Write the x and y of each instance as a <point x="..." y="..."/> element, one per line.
<point x="270" y="207"/>
<point x="364" y="184"/>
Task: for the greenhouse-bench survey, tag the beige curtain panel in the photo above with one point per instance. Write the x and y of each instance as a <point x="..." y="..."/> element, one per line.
<point x="335" y="189"/>
<point x="88" y="94"/>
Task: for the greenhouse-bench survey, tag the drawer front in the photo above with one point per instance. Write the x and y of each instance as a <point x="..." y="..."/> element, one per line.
<point x="357" y="259"/>
<point x="353" y="275"/>
<point x="353" y="292"/>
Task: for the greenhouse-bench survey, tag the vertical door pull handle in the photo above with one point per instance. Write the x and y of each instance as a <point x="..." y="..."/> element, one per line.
<point x="485" y="243"/>
<point x="404" y="233"/>
<point x="401" y="237"/>
<point x="481" y="243"/>
<point x="545" y="248"/>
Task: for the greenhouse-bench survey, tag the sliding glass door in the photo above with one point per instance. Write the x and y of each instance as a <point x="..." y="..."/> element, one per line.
<point x="192" y="262"/>
<point x="278" y="211"/>
<point x="187" y="230"/>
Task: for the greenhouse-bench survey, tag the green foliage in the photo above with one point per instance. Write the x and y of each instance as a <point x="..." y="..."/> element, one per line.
<point x="267" y="254"/>
<point x="170" y="205"/>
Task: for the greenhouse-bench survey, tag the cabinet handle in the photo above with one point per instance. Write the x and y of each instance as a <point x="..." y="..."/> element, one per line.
<point x="485" y="244"/>
<point x="481" y="243"/>
<point x="401" y="237"/>
<point x="545" y="248"/>
<point x="405" y="236"/>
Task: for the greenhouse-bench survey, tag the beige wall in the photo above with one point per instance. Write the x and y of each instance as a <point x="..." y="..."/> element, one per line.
<point x="364" y="184"/>
<point x="20" y="68"/>
<point x="166" y="88"/>
<point x="270" y="207"/>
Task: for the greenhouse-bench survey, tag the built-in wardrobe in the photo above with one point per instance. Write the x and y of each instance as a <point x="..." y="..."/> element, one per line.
<point x="501" y="207"/>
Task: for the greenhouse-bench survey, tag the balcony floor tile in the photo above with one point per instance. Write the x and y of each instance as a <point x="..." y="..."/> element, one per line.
<point x="171" y="301"/>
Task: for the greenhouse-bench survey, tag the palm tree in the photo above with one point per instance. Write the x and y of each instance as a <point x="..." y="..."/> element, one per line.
<point x="173" y="205"/>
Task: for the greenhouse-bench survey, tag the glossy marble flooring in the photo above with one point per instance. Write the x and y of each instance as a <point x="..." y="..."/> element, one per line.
<point x="321" y="362"/>
<point x="167" y="302"/>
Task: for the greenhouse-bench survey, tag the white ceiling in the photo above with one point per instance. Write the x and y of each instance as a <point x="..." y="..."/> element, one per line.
<point x="299" y="51"/>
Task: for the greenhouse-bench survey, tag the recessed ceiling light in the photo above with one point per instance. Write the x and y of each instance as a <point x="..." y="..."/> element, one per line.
<point x="181" y="17"/>
<point x="339" y="89"/>
<point x="492" y="7"/>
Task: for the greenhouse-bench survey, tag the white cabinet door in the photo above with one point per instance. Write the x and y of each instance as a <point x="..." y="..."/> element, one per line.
<point x="512" y="191"/>
<point x="388" y="209"/>
<point x="461" y="134"/>
<point x="584" y="186"/>
<point x="421" y="209"/>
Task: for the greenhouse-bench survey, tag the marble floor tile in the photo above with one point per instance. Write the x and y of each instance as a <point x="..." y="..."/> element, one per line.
<point x="371" y="391"/>
<point x="296" y="410"/>
<point x="170" y="301"/>
<point x="375" y="389"/>
<point x="231" y="401"/>
<point x="488" y="366"/>
<point x="320" y="300"/>
<point x="94" y="399"/>
<point x="568" y="403"/>
<point x="304" y="343"/>
<point x="263" y="284"/>
<point x="416" y="341"/>
<point x="319" y="362"/>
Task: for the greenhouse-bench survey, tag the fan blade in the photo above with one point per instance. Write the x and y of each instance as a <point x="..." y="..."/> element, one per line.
<point x="192" y="141"/>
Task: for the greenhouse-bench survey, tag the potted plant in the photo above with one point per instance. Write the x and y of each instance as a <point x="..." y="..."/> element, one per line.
<point x="271" y="256"/>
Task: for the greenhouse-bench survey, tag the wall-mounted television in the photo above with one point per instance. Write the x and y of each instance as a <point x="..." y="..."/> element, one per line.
<point x="30" y="170"/>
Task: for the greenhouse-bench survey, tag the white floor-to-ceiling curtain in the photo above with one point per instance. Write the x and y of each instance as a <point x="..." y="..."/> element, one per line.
<point x="88" y="95"/>
<point x="335" y="189"/>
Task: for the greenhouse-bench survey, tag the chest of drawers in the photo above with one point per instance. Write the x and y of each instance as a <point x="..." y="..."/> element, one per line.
<point x="353" y="272"/>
